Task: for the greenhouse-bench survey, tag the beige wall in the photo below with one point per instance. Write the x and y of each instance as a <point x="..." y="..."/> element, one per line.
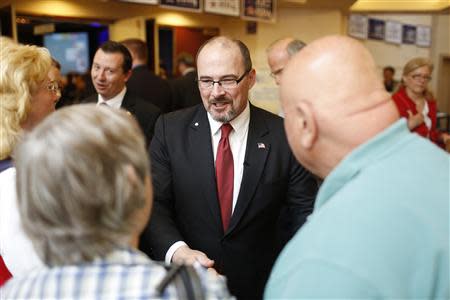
<point x="393" y="54"/>
<point x="440" y="48"/>
<point x="303" y="24"/>
<point x="306" y="25"/>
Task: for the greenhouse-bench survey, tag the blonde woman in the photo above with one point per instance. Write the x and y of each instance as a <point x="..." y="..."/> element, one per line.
<point x="415" y="102"/>
<point x="28" y="95"/>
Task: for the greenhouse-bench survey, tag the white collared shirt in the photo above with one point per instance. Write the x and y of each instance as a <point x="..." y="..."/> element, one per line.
<point x="238" y="145"/>
<point x="114" y="102"/>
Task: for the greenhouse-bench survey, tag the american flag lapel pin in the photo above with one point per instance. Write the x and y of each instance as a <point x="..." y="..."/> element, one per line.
<point x="261" y="146"/>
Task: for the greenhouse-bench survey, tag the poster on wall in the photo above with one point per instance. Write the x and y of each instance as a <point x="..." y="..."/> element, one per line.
<point x="191" y="5"/>
<point x="223" y="7"/>
<point x="423" y="36"/>
<point x="409" y="34"/>
<point x="376" y="29"/>
<point x="393" y="32"/>
<point x="259" y="10"/>
<point x="357" y="26"/>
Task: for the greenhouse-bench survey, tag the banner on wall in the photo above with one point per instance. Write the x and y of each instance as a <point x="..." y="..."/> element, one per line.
<point x="259" y="10"/>
<point x="223" y="7"/>
<point x="393" y="32"/>
<point x="191" y="5"/>
<point x="409" y="34"/>
<point x="423" y="36"/>
<point x="357" y="26"/>
<point x="376" y="29"/>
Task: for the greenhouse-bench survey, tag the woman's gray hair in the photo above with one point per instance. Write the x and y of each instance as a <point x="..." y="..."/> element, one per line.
<point x="80" y="182"/>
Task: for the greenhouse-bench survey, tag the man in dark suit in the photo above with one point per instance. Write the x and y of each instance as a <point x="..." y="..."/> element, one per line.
<point x="111" y="69"/>
<point x="218" y="208"/>
<point x="185" y="91"/>
<point x="144" y="82"/>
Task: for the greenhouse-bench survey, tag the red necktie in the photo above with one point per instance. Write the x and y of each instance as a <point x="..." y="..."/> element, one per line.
<point x="225" y="175"/>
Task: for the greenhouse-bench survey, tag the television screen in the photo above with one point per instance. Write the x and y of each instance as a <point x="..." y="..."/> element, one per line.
<point x="71" y="50"/>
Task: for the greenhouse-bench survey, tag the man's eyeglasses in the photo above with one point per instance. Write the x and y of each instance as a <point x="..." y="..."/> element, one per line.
<point x="226" y="83"/>
<point x="418" y="76"/>
<point x="276" y="73"/>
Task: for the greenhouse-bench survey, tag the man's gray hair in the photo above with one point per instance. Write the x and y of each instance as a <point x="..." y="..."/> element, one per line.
<point x="294" y="46"/>
<point x="81" y="177"/>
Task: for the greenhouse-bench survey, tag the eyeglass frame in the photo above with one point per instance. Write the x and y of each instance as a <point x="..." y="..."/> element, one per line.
<point x="54" y="87"/>
<point x="276" y="73"/>
<point x="419" y="76"/>
<point x="220" y="82"/>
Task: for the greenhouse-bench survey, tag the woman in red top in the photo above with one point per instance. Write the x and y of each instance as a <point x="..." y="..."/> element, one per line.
<point x="415" y="102"/>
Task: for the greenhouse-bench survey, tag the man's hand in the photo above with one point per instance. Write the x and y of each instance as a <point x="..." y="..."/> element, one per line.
<point x="185" y="255"/>
<point x="414" y="120"/>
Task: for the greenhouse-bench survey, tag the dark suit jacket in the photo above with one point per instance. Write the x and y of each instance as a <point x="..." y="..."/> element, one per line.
<point x="150" y="87"/>
<point x="145" y="113"/>
<point x="185" y="196"/>
<point x="185" y="92"/>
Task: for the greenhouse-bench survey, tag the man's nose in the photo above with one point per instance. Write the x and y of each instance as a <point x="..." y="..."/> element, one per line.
<point x="217" y="89"/>
<point x="99" y="74"/>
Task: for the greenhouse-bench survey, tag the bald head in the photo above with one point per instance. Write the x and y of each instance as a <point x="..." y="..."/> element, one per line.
<point x="333" y="101"/>
<point x="279" y="53"/>
<point x="227" y="43"/>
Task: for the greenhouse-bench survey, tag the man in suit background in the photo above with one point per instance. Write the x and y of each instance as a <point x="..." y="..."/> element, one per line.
<point x="185" y="91"/>
<point x="111" y="69"/>
<point x="227" y="222"/>
<point x="279" y="53"/>
<point x="143" y="82"/>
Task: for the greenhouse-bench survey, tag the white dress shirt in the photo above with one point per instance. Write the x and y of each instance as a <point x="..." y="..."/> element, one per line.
<point x="426" y="118"/>
<point x="114" y="102"/>
<point x="238" y="144"/>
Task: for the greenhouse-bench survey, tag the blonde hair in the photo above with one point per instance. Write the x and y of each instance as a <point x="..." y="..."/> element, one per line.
<point x="23" y="69"/>
<point x="414" y="64"/>
<point x="81" y="176"/>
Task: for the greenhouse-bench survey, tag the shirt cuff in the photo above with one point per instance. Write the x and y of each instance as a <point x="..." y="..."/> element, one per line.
<point x="172" y="250"/>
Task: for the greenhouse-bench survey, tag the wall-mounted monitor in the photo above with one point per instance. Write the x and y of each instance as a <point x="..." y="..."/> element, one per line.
<point x="71" y="49"/>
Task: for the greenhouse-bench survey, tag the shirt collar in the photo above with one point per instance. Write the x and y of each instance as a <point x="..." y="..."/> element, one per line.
<point x="239" y="123"/>
<point x="122" y="256"/>
<point x="364" y="155"/>
<point x="115" y="101"/>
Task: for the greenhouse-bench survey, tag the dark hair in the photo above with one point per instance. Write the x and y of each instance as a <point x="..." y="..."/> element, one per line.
<point x="389" y="68"/>
<point x="56" y="64"/>
<point x="245" y="53"/>
<point x="136" y="46"/>
<point x="115" y="47"/>
<point x="294" y="46"/>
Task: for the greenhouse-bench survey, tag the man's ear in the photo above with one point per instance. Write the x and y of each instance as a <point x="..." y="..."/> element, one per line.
<point x="252" y="78"/>
<point x="128" y="75"/>
<point x="306" y="124"/>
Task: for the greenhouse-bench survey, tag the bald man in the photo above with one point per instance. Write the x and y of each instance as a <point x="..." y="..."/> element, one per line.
<point x="279" y="53"/>
<point x="380" y="227"/>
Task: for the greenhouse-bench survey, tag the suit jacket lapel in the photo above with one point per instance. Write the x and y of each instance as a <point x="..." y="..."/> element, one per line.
<point x="255" y="159"/>
<point x="129" y="103"/>
<point x="201" y="153"/>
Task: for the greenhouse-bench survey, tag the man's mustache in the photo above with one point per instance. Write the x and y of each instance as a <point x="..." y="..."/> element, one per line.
<point x="219" y="100"/>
